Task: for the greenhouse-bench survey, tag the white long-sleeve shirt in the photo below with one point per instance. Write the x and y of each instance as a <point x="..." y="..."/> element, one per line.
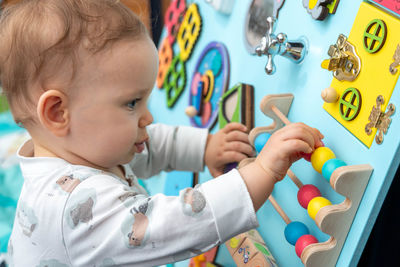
<point x="73" y="215"/>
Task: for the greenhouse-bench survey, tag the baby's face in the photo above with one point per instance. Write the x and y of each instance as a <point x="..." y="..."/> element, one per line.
<point x="108" y="108"/>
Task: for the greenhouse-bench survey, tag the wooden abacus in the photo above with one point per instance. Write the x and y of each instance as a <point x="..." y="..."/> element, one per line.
<point x="349" y="181"/>
<point x="296" y="233"/>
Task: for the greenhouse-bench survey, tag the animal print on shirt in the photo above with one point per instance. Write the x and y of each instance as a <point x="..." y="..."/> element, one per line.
<point x="27" y="219"/>
<point x="135" y="227"/>
<point x="83" y="212"/>
<point x="68" y="183"/>
<point x="193" y="201"/>
<point x="80" y="207"/>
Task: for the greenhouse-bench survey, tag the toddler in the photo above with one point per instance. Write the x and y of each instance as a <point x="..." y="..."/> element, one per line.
<point x="77" y="75"/>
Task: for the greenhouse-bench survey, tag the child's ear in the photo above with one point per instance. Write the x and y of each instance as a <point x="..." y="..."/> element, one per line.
<point x="53" y="113"/>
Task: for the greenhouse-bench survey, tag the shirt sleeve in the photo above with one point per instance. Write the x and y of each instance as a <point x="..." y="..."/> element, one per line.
<point x="105" y="222"/>
<point x="171" y="148"/>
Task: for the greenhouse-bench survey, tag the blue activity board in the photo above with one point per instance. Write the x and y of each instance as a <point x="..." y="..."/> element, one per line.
<point x="328" y="63"/>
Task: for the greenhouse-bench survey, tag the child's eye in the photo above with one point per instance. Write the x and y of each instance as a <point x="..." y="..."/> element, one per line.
<point x="133" y="103"/>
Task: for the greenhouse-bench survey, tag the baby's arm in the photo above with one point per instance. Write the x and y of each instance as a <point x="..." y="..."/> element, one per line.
<point x="107" y="221"/>
<point x="188" y="149"/>
<point x="284" y="147"/>
<point x="230" y="144"/>
<point x="171" y="148"/>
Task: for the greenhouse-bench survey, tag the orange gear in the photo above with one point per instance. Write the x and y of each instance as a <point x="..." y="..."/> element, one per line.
<point x="165" y="55"/>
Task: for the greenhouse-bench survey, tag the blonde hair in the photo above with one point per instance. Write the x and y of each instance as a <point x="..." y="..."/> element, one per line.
<point x="39" y="36"/>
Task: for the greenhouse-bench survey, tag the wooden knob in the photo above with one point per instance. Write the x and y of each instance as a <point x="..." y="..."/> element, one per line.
<point x="329" y="95"/>
<point x="191" y="111"/>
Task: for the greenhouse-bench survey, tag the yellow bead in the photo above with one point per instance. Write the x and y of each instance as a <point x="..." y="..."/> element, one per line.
<point x="234" y="242"/>
<point x="316" y="204"/>
<point x="320" y="156"/>
<point x="202" y="258"/>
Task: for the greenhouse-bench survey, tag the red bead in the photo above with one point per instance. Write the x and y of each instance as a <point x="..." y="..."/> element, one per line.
<point x="307" y="156"/>
<point x="306" y="193"/>
<point x="303" y="242"/>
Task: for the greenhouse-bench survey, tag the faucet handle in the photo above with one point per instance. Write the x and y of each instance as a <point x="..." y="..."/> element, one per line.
<point x="271" y="45"/>
<point x="264" y="49"/>
<point x="271" y="25"/>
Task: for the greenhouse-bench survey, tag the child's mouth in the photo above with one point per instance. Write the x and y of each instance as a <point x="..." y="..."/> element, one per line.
<point x="139" y="147"/>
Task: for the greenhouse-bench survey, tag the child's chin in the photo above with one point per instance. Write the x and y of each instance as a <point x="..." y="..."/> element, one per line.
<point x="127" y="159"/>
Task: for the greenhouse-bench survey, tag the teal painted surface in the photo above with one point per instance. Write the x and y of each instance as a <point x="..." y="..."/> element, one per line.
<point x="7" y="124"/>
<point x="10" y="180"/>
<point x="177" y="181"/>
<point x="305" y="81"/>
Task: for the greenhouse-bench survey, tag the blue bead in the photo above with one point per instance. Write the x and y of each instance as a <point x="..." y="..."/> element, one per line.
<point x="260" y="141"/>
<point x="330" y="166"/>
<point x="294" y="231"/>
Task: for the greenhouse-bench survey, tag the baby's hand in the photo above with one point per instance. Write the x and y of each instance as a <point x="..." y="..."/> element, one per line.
<point x="286" y="146"/>
<point x="229" y="144"/>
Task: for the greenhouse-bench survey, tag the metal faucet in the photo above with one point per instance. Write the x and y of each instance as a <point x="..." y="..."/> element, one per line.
<point x="272" y="45"/>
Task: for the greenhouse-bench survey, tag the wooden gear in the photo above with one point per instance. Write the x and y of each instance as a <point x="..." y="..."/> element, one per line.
<point x="165" y="55"/>
<point x="173" y="18"/>
<point x="175" y="80"/>
<point x="189" y="31"/>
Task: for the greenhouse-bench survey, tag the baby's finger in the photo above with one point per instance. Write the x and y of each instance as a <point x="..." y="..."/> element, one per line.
<point x="320" y="136"/>
<point x="315" y="133"/>
<point x="234" y="126"/>
<point x="233" y="156"/>
<point x="316" y="136"/>
<point x="241" y="147"/>
<point x="295" y="147"/>
<point x="237" y="136"/>
<point x="301" y="132"/>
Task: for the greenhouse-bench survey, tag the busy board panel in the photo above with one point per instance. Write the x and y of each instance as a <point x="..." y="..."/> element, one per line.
<point x="375" y="34"/>
<point x="325" y="63"/>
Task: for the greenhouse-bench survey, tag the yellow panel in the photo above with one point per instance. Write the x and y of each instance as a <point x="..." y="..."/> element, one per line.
<point x="374" y="78"/>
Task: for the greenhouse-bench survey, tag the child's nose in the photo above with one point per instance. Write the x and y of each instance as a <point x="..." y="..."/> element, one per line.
<point x="147" y="119"/>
